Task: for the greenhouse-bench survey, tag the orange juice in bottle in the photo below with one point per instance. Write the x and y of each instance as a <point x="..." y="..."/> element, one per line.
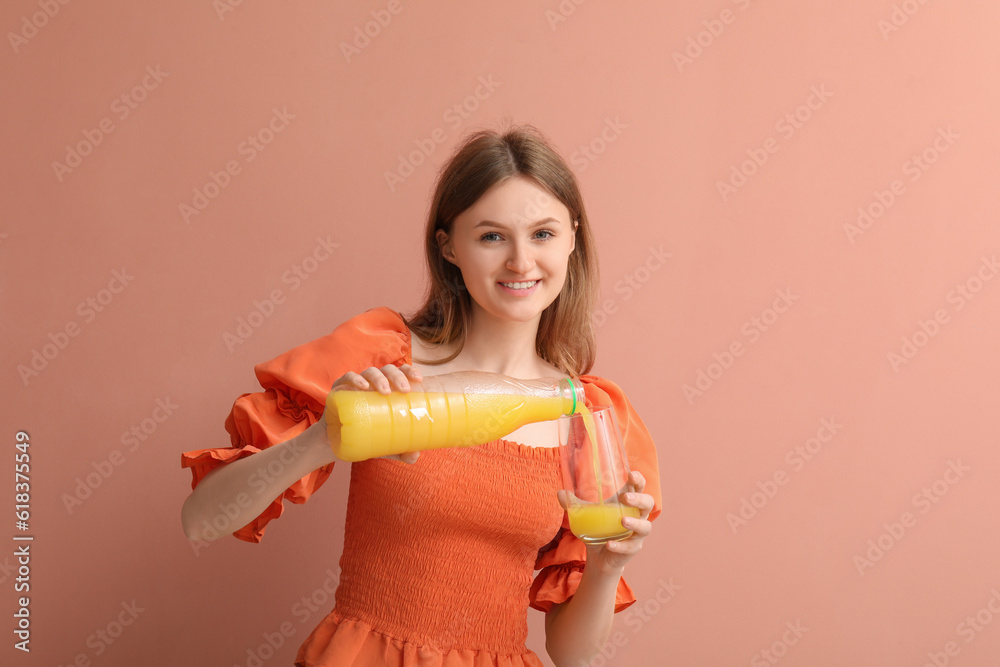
<point x="452" y="410"/>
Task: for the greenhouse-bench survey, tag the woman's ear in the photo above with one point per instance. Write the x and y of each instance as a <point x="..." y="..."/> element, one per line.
<point x="444" y="243"/>
<point x="576" y="226"/>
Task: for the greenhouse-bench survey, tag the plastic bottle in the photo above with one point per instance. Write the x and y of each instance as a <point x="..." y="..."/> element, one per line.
<point x="451" y="410"/>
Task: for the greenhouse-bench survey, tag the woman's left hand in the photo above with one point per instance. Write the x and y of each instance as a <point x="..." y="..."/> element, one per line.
<point x="611" y="557"/>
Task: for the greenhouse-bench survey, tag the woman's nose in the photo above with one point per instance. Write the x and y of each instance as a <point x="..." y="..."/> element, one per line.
<point x="521" y="260"/>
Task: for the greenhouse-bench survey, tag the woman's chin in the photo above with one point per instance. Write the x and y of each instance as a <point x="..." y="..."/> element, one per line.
<point x="520" y="315"/>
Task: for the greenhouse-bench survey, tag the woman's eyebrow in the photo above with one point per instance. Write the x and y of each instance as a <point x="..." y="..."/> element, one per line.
<point x="491" y="223"/>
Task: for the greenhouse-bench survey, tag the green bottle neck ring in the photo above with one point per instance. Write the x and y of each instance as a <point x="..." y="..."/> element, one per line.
<point x="572" y="390"/>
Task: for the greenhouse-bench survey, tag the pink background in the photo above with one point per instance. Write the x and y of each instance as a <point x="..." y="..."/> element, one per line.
<point x="886" y="80"/>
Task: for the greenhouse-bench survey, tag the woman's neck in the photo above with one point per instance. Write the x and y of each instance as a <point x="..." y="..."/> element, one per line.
<point x="500" y="346"/>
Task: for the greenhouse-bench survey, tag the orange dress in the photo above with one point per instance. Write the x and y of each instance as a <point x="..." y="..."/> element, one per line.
<point x="439" y="559"/>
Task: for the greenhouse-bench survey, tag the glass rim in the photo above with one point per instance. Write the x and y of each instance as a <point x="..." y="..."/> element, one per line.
<point x="596" y="408"/>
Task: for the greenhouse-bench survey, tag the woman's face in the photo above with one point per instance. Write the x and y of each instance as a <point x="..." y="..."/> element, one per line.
<point x="512" y="247"/>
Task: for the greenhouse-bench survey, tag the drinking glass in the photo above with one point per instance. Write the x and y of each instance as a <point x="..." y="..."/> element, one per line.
<point x="594" y="473"/>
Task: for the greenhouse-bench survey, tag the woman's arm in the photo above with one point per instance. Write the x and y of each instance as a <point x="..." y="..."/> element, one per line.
<point x="231" y="496"/>
<point x="576" y="630"/>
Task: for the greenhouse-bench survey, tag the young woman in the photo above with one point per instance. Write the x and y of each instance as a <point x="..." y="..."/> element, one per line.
<point x="441" y="547"/>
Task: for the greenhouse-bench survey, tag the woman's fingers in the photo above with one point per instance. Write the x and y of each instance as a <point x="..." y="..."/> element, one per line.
<point x="396" y="377"/>
<point x="643" y="501"/>
<point x="563" y="499"/>
<point x="639" y="527"/>
<point x="412" y="373"/>
<point x="638" y="481"/>
<point x="350" y="380"/>
<point x="627" y="548"/>
<point x="383" y="380"/>
<point x="376" y="380"/>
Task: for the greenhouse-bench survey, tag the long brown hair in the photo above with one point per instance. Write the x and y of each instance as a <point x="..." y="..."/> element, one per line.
<point x="565" y="336"/>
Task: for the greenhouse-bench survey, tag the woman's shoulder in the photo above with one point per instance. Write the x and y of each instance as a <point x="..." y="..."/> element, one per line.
<point x="376" y="337"/>
<point x="381" y="318"/>
<point x="376" y="328"/>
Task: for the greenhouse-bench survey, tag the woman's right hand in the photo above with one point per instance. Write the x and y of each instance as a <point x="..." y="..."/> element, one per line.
<point x="383" y="380"/>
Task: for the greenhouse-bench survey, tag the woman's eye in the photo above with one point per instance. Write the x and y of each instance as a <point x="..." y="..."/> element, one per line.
<point x="542" y="234"/>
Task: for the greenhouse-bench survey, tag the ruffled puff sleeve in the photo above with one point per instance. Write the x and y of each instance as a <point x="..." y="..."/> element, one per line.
<point x="295" y="385"/>
<point x="562" y="561"/>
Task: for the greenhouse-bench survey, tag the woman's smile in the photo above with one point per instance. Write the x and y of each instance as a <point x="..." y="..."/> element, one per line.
<point x="520" y="288"/>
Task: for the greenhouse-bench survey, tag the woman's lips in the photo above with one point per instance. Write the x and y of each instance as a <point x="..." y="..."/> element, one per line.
<point x="523" y="287"/>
